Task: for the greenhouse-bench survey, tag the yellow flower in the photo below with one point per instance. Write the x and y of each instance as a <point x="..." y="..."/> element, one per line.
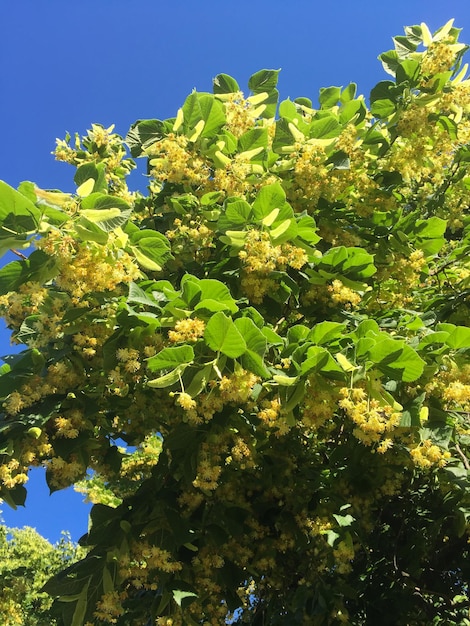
<point x="189" y="329"/>
<point x="185" y="401"/>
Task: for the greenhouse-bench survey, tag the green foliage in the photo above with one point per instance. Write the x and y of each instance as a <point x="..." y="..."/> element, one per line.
<point x="263" y="360"/>
<point x="27" y="561"/>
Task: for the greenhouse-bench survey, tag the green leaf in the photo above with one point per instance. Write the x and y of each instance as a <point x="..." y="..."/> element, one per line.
<point x="108" y="583"/>
<point x="108" y="219"/>
<point x="384" y="90"/>
<point x="316" y="358"/>
<point x="344" y="520"/>
<point x="167" y="380"/>
<point x="329" y="97"/>
<point x="397" y="360"/>
<point x="200" y="379"/>
<point x="171" y="358"/>
<point x="307" y="229"/>
<point x="325" y="332"/>
<point x="325" y="128"/>
<point x="254" y="138"/>
<point x="353" y="263"/>
<point x="382" y="108"/>
<point x="407" y="71"/>
<point x="223" y="83"/>
<point x="89" y="231"/>
<point x="237" y="214"/>
<point x="179" y="596"/>
<point x="355" y="110"/>
<point x="145" y="133"/>
<point x="150" y="248"/>
<point x="390" y="61"/>
<point x="367" y="327"/>
<point x="254" y="338"/>
<point x="81" y="607"/>
<point x="283" y="139"/>
<point x="221" y="335"/>
<point x="14" y="202"/>
<point x="207" y="293"/>
<point x="410" y="417"/>
<point x="348" y="93"/>
<point x="18" y="217"/>
<point x="14" y="497"/>
<point x="89" y="171"/>
<point x="10" y="276"/>
<point x="459" y="336"/>
<point x="271" y="197"/>
<point x="404" y="45"/>
<point x="139" y="296"/>
<point x="253" y="362"/>
<point x="202" y="107"/>
<point x="264" y="80"/>
<point x="213" y="114"/>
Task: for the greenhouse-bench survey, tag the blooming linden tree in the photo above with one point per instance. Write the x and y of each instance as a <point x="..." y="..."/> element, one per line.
<point x="258" y="371"/>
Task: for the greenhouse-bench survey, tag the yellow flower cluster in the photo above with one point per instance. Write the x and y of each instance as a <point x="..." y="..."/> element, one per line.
<point x="141" y="565"/>
<point x="332" y="295"/>
<point x="310" y="174"/>
<point x="130" y="358"/>
<point x="399" y="279"/>
<point x="255" y="287"/>
<point x="64" y="473"/>
<point x="427" y="455"/>
<point x="455" y="101"/>
<point x="208" y="473"/>
<point x="234" y="389"/>
<point x="439" y="57"/>
<point x="186" y="402"/>
<point x="320" y="402"/>
<point x="337" y="236"/>
<point x="458" y="394"/>
<point x="174" y="161"/>
<point x="340" y="294"/>
<point x="194" y="239"/>
<point x="423" y="152"/>
<point x="240" y="114"/>
<point x="241" y="454"/>
<point x="187" y="330"/>
<point x="10" y="476"/>
<point x="270" y="413"/>
<point x="95" y="268"/>
<point x="372" y="418"/>
<point x="232" y="179"/>
<point x="59" y="378"/>
<point x="100" y="145"/>
<point x="109" y="607"/>
<point x="135" y="467"/>
<point x="66" y="427"/>
<point x="343" y="554"/>
<point x="15" y="306"/>
<point x="452" y="386"/>
<point x="190" y="500"/>
<point x="348" y="140"/>
<point x="237" y="387"/>
<point x="64" y="152"/>
<point x="260" y="257"/>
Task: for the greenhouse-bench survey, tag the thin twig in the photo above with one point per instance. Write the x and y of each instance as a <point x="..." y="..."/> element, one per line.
<point x="464" y="458"/>
<point x="20" y="254"/>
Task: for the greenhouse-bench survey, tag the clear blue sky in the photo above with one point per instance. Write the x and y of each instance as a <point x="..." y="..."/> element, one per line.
<point x="66" y="64"/>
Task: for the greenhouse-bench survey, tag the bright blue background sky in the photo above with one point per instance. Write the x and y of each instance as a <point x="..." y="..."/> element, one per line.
<point x="66" y="64"/>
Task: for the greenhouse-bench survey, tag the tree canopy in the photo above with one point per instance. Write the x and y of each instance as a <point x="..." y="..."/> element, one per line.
<point x="263" y="361"/>
<point x="27" y="561"/>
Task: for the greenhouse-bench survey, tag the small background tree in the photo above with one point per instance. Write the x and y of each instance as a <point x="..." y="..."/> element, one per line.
<point x="27" y="561"/>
